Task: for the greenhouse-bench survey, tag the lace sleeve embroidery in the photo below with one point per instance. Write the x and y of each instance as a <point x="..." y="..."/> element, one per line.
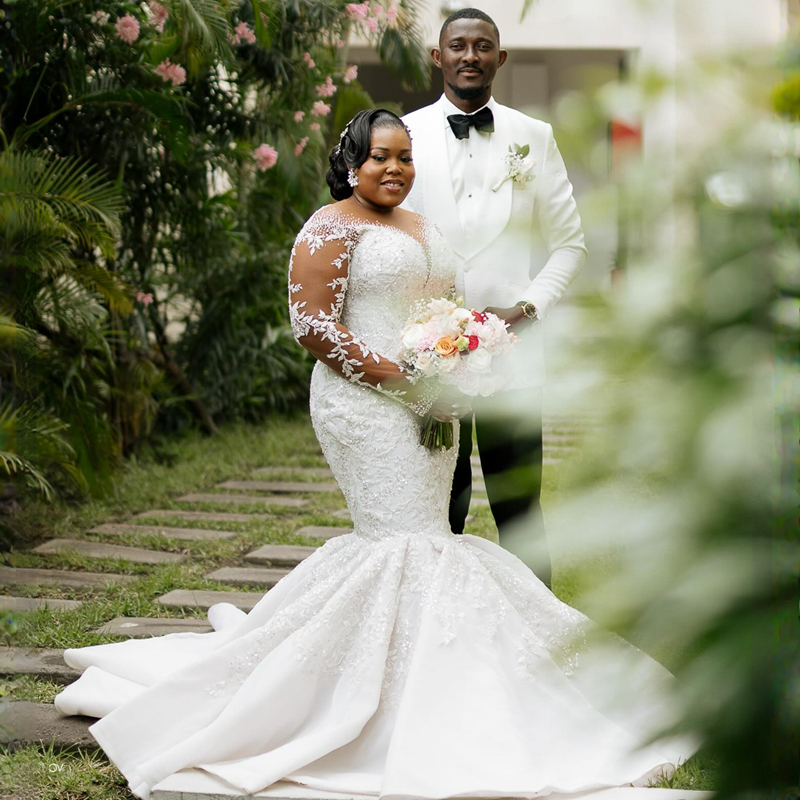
<point x="318" y="274"/>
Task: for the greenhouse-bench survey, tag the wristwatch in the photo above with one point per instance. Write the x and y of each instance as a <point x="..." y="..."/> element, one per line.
<point x="529" y="310"/>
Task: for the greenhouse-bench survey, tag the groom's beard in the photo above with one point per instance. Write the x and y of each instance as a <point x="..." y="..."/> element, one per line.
<point x="469" y="92"/>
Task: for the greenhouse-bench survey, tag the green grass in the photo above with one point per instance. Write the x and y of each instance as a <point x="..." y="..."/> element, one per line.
<point x="194" y="463"/>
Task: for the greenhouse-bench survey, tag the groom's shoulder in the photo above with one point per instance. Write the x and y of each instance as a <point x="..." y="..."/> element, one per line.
<point x="420" y="114"/>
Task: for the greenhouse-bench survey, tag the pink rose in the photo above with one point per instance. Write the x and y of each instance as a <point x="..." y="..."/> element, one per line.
<point x="301" y="145"/>
<point x="315" y="126"/>
<point x="159" y="17"/>
<point x="350" y="74"/>
<point x="320" y="109"/>
<point x="298" y="116"/>
<point x="265" y="157"/>
<point x="127" y="28"/>
<point x="357" y="10"/>
<point x="372" y="24"/>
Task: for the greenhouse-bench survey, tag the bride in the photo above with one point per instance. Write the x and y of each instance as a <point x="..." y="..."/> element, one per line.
<point x="401" y="660"/>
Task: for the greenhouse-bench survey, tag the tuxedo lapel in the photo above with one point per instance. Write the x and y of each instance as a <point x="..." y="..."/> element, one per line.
<point x="495" y="206"/>
<point x="438" y="198"/>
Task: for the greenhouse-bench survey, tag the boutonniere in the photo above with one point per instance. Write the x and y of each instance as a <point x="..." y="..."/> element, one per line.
<point x="518" y="165"/>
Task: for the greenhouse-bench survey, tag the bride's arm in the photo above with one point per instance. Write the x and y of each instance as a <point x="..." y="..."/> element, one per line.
<point x="318" y="272"/>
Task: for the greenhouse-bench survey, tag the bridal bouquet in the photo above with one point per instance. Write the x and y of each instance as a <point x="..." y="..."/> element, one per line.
<point x="455" y="345"/>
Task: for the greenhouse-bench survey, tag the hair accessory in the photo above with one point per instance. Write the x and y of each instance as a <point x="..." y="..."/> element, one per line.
<point x="352" y="178"/>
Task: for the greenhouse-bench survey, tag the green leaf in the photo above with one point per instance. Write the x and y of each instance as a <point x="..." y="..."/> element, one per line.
<point x="526" y="149"/>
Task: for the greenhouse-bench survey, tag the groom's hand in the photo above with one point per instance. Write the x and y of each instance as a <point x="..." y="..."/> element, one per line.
<point x="513" y="316"/>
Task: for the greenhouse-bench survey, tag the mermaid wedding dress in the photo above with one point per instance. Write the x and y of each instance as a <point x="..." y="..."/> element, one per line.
<point x="400" y="660"/>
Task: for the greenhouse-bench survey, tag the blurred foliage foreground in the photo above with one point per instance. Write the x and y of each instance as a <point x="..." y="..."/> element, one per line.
<point x="691" y="370"/>
<point x="157" y="161"/>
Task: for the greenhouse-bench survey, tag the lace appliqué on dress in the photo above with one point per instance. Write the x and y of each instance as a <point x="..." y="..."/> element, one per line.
<point x="350" y="354"/>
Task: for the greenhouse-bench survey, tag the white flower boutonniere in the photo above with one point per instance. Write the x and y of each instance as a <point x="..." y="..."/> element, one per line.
<point x="518" y="165"/>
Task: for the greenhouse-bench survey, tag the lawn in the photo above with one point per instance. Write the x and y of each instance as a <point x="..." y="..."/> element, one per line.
<point x="191" y="463"/>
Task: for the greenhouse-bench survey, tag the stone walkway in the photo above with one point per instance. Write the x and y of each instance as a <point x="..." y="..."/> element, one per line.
<point x="274" y="493"/>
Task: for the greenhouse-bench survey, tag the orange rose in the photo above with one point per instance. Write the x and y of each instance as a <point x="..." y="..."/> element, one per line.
<point x="446" y="346"/>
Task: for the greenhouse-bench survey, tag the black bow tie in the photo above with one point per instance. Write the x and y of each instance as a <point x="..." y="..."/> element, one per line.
<point x="483" y="120"/>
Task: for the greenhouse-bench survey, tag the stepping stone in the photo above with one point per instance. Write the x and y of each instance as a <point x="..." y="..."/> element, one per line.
<point x="280" y="554"/>
<point x="257" y="577"/>
<point x="479" y="501"/>
<point x="41" y="662"/>
<point x="17" y="576"/>
<point x="29" y="723"/>
<point x="201" y="598"/>
<point x="35" y="603"/>
<point x="99" y="550"/>
<point x="242" y="499"/>
<point x="137" y="627"/>
<point x="279" y="486"/>
<point x="478" y="486"/>
<point x="343" y="513"/>
<point x="312" y="472"/>
<point x="201" y="516"/>
<point x="319" y="532"/>
<point x="112" y="529"/>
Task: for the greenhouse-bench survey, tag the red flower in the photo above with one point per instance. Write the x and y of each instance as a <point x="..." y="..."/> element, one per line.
<point x="473" y="342"/>
<point x="479" y="316"/>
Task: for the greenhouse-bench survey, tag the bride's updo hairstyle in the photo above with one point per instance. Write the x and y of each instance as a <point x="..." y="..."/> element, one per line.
<point x="353" y="147"/>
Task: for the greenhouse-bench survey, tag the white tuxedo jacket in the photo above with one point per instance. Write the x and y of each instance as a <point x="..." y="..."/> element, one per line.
<point x="530" y="244"/>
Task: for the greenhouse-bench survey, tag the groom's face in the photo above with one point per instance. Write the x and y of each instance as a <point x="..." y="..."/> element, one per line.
<point x="469" y="56"/>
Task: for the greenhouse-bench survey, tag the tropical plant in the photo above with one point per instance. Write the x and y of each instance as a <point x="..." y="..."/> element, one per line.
<point x="158" y="160"/>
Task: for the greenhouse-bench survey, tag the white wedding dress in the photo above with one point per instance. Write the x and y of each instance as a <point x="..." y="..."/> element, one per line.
<point x="401" y="660"/>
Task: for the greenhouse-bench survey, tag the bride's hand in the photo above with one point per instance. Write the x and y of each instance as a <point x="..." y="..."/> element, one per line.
<point x="450" y="405"/>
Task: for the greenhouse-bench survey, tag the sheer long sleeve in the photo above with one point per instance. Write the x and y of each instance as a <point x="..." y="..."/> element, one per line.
<point x="318" y="274"/>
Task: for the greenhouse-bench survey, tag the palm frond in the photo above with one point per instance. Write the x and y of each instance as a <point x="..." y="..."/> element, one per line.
<point x="402" y="49"/>
<point x="205" y="26"/>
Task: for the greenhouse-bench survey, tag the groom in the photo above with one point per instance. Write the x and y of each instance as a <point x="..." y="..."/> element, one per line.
<point x="510" y="216"/>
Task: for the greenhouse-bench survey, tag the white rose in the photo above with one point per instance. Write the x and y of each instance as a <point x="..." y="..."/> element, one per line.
<point x="479" y="360"/>
<point x="412" y="337"/>
<point x="461" y="314"/>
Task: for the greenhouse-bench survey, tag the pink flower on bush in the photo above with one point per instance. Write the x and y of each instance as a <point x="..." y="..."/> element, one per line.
<point x="315" y="126"/>
<point x="391" y="13"/>
<point x="171" y="72"/>
<point x="327" y="89"/>
<point x="127" y="28"/>
<point x="265" y="156"/>
<point x="357" y="10"/>
<point x="340" y="43"/>
<point x="159" y="17"/>
<point x="298" y="116"/>
<point x="320" y="109"/>
<point x="301" y="145"/>
<point x="99" y="17"/>
<point x="243" y="31"/>
<point x="310" y="61"/>
<point x="372" y="24"/>
<point x="145" y="298"/>
<point x="351" y="73"/>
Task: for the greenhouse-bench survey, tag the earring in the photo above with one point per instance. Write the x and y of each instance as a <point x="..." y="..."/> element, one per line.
<point x="352" y="178"/>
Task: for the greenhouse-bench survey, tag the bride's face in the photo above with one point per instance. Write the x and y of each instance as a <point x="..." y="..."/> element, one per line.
<point x="385" y="178"/>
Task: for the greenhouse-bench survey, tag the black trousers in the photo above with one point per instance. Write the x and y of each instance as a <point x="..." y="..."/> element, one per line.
<point x="508" y="428"/>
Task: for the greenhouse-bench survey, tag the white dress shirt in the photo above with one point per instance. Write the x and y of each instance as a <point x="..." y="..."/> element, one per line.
<point x="469" y="163"/>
